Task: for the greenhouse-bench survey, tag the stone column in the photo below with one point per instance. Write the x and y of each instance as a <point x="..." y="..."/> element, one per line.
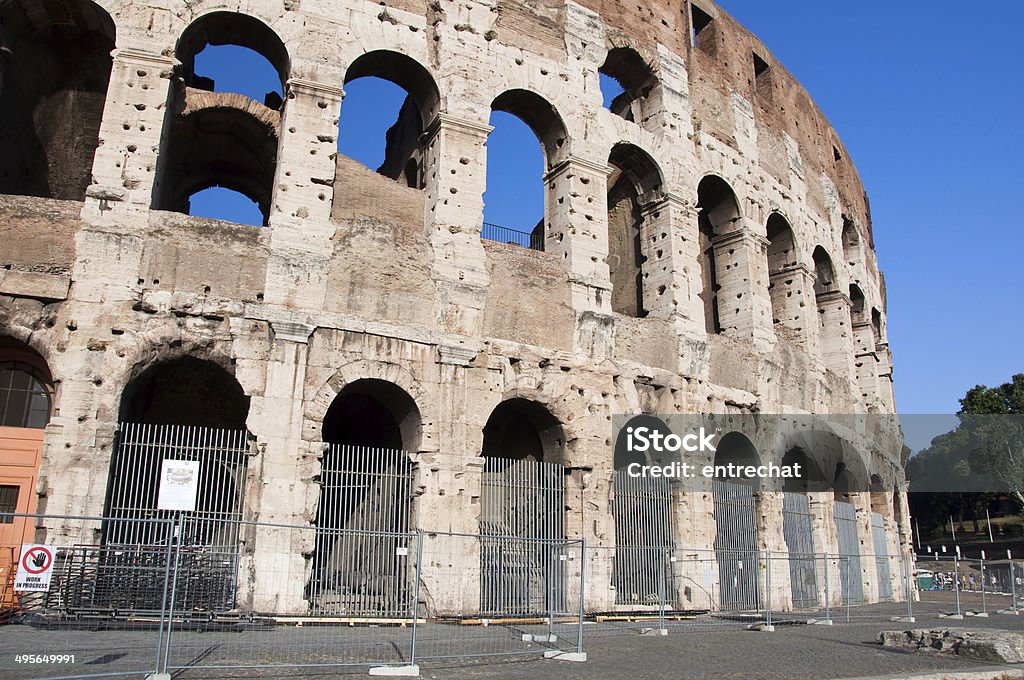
<point x="284" y="491"/>
<point x="835" y="334"/>
<point x="825" y="539"/>
<point x="672" y="277"/>
<point x="576" y="229"/>
<point x="131" y="132"/>
<point x="884" y="365"/>
<point x="793" y="306"/>
<point x="769" y="504"/>
<point x="455" y="163"/>
<point x="741" y="270"/>
<point x="304" y="186"/>
<point x="865" y="538"/>
<point x="865" y="362"/>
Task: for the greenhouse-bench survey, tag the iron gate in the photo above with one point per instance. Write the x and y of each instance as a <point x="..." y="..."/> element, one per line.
<point x="642" y="510"/>
<point x="522" y="505"/>
<point x="881" y="556"/>
<point x="361" y="564"/>
<point x="849" y="547"/>
<point x="736" y="546"/>
<point x="798" y="529"/>
<point x="133" y="534"/>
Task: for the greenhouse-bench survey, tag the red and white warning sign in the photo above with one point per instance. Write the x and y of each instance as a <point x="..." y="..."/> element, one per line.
<point x="34" y="568"/>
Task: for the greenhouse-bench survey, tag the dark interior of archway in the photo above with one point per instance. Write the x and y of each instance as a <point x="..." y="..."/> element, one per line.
<point x="521" y="429"/>
<point x="625" y="259"/>
<point x="624" y="456"/>
<point x="359" y="418"/>
<point x="734" y="448"/>
<point x="186" y="391"/>
<point x="214" y="147"/>
<point x="54" y="71"/>
<point x="811" y="478"/>
<point x="718" y="211"/>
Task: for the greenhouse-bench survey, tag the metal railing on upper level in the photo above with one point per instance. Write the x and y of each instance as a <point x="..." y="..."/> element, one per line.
<point x="496" y="232"/>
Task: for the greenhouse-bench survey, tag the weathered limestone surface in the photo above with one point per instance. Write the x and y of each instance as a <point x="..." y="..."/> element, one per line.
<point x="357" y="276"/>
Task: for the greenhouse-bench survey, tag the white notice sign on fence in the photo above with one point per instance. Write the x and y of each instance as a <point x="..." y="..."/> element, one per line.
<point x="179" y="482"/>
<point x="34" y="568"/>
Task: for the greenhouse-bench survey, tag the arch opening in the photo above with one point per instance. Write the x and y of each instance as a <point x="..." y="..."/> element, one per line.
<point x="526" y="142"/>
<point x="851" y="241"/>
<point x="627" y="82"/>
<point x="824" y="273"/>
<point x="365" y="503"/>
<point x="55" y="68"/>
<point x="736" y="542"/>
<point x="182" y="423"/>
<point x="522" y="508"/>
<point x="719" y="215"/>
<point x="635" y="178"/>
<point x="223" y="133"/>
<point x="781" y="259"/>
<point x="26" y="386"/>
<point x="390" y="99"/>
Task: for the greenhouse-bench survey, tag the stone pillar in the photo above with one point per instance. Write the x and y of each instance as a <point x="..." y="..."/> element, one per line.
<point x="454" y="169"/>
<point x="825" y="539"/>
<point x="884" y="365"/>
<point x="576" y="229"/>
<point x="741" y="270"/>
<point x="306" y="154"/>
<point x="865" y="362"/>
<point x="671" y="274"/>
<point x="793" y="306"/>
<point x="284" y="491"/>
<point x="131" y="132"/>
<point x="865" y="538"/>
<point x="769" y="504"/>
<point x="835" y="334"/>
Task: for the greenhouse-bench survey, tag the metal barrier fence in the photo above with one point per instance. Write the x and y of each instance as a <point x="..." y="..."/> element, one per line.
<point x="157" y="609"/>
<point x="530" y="240"/>
<point x="172" y="605"/>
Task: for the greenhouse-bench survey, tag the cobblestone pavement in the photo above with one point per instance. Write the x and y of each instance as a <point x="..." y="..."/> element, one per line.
<point x="811" y="652"/>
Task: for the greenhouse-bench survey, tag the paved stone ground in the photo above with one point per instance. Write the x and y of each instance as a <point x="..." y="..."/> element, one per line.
<point x="703" y="649"/>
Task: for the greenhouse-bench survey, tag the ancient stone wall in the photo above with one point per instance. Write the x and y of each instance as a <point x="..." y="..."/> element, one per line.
<point x="358" y="277"/>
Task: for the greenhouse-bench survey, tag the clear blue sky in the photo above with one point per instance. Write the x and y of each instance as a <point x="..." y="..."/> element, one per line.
<point x="928" y="99"/>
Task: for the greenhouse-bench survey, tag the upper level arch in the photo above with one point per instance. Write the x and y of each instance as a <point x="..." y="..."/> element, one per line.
<point x="637" y="80"/>
<point x="55" y="68"/>
<point x="541" y="117"/>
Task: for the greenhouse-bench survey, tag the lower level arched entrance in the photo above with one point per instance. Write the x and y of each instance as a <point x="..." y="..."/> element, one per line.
<point x="361" y="566"/>
<point x="736" y="545"/>
<point x="522" y="511"/>
<point x="177" y="480"/>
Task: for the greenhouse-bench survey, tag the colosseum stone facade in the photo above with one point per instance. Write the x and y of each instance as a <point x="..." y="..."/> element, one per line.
<point x="706" y="248"/>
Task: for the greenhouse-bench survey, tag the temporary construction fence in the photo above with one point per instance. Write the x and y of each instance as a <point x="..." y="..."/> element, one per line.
<point x="159" y="608"/>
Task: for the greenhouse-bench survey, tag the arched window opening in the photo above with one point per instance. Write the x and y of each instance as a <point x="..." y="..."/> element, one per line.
<point x="390" y="99"/>
<point x="858" y="313"/>
<point x="719" y="215"/>
<point x="223" y="120"/>
<point x="365" y="506"/>
<point x="851" y="241"/>
<point x="824" y="274"/>
<point x="781" y="260"/>
<point x="54" y="71"/>
<point x="847" y="534"/>
<point x="515" y="208"/>
<point x="876" y="325"/>
<point x="183" y="420"/>
<point x="736" y="546"/>
<point x="642" y="509"/>
<point x="26" y="387"/>
<point x="880" y="508"/>
<point x="633" y="179"/>
<point x="626" y="83"/>
<point x="522" y="505"/>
